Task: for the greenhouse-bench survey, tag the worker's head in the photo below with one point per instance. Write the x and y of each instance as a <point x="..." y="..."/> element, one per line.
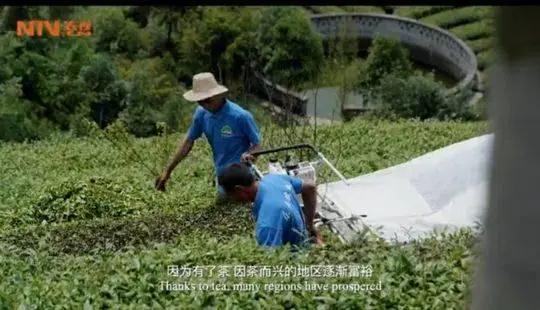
<point x="207" y="92"/>
<point x="213" y="103"/>
<point x="238" y="182"/>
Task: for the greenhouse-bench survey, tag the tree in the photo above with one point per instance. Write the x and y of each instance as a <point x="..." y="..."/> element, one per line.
<point x="60" y="12"/>
<point x="106" y="92"/>
<point x="139" y="14"/>
<point x="116" y="34"/>
<point x="170" y="17"/>
<point x="386" y="57"/>
<point x="18" y="117"/>
<point x="10" y="16"/>
<point x="290" y="51"/>
<point x="151" y="90"/>
<point x="411" y="97"/>
<point x="204" y="42"/>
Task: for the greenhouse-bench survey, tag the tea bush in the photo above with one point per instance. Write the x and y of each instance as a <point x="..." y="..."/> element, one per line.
<point x="458" y="16"/>
<point x="83" y="201"/>
<point x="476" y="30"/>
<point x="433" y="274"/>
<point x="418" y="12"/>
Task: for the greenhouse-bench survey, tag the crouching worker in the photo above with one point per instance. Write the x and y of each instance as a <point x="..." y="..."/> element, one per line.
<point x="279" y="217"/>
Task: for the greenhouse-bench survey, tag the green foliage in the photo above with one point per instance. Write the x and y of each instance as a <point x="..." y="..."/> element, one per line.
<point x="388" y="83"/>
<point x="106" y="92"/>
<point x="414" y="96"/>
<point x="474" y="25"/>
<point x="418" y="12"/>
<point x="386" y="57"/>
<point x="411" y="275"/>
<point x="343" y="48"/>
<point x="64" y="12"/>
<point x="420" y="96"/>
<point x="325" y="9"/>
<point x="481" y="45"/>
<point x="458" y="16"/>
<point x="18" y="121"/>
<point x="458" y="107"/>
<point x="67" y="81"/>
<point x="240" y="54"/>
<point x="50" y="84"/>
<point x="477" y="30"/>
<point x="127" y="234"/>
<point x="12" y="14"/>
<point x="204" y="41"/>
<point x="170" y="18"/>
<point x="342" y="63"/>
<point x="481" y="109"/>
<point x="151" y="88"/>
<point x="116" y="34"/>
<point x="11" y="47"/>
<point x="139" y="14"/>
<point x="84" y="201"/>
<point x="363" y="9"/>
<point x="290" y="52"/>
<point x="486" y="58"/>
<point x="154" y="36"/>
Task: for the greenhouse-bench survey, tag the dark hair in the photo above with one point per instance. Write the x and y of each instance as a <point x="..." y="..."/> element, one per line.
<point x="236" y="174"/>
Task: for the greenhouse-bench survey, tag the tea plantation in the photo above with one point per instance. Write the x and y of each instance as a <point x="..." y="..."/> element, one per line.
<point x="82" y="227"/>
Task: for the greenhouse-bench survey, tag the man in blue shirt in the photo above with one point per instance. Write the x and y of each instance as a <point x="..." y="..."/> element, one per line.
<point x="279" y="217"/>
<point x="230" y="130"/>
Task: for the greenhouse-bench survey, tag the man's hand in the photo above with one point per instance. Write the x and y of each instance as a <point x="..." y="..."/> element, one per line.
<point x="309" y="197"/>
<point x="315" y="237"/>
<point x="183" y="149"/>
<point x="161" y="181"/>
<point x="247" y="157"/>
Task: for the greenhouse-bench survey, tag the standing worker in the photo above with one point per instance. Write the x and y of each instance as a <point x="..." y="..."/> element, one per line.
<point x="230" y="130"/>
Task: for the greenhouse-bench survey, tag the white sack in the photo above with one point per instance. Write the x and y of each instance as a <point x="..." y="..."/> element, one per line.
<point x="443" y="189"/>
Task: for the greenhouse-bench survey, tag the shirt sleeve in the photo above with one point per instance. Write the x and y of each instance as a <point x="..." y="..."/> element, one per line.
<point x="269" y="237"/>
<point x="195" y="130"/>
<point x="296" y="184"/>
<point x="250" y="128"/>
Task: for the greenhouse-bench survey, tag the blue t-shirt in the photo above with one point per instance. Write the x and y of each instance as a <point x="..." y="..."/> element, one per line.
<point x="231" y="131"/>
<point x="279" y="217"/>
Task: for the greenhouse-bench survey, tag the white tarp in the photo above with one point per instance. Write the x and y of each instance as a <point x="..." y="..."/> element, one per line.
<point x="443" y="189"/>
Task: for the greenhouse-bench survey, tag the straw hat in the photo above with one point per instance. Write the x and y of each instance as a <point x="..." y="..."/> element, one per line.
<point x="204" y="86"/>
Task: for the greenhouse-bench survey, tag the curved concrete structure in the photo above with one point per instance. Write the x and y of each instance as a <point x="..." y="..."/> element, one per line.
<point x="429" y="45"/>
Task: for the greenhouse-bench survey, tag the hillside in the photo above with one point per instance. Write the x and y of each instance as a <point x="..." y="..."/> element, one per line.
<point x="473" y="24"/>
<point x="81" y="223"/>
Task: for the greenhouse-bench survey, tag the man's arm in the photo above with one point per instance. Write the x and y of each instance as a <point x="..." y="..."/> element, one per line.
<point x="194" y="132"/>
<point x="252" y="131"/>
<point x="183" y="150"/>
<point x="309" y="197"/>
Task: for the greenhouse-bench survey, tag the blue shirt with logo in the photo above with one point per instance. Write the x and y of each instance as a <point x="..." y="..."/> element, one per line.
<point x="279" y="217"/>
<point x="231" y="131"/>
